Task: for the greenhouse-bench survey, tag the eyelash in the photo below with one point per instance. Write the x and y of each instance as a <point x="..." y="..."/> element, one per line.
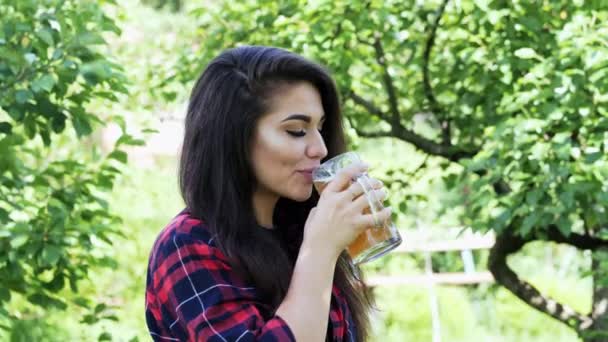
<point x="299" y="134"/>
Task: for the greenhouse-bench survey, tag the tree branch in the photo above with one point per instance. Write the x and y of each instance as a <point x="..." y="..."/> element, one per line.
<point x="393" y="99"/>
<point x="445" y="148"/>
<point x="506" y="244"/>
<point x="446" y="134"/>
<point x="361" y="133"/>
<point x="452" y="153"/>
<point x="580" y="241"/>
<point x="428" y="89"/>
<point x="394" y="180"/>
<point x="378" y="134"/>
<point x="370" y="107"/>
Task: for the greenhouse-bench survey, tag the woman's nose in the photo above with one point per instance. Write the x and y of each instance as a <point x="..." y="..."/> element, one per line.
<point x="317" y="149"/>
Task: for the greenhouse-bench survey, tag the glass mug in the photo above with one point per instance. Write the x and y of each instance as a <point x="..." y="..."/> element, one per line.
<point x="375" y="241"/>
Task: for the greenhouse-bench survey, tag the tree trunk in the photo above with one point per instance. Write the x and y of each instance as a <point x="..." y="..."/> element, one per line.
<point x="599" y="266"/>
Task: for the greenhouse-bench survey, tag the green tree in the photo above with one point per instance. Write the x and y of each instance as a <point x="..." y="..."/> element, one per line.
<point x="511" y="97"/>
<point x="174" y="5"/>
<point x="54" y="220"/>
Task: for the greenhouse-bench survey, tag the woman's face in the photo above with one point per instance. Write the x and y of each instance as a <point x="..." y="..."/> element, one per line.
<point x="287" y="143"/>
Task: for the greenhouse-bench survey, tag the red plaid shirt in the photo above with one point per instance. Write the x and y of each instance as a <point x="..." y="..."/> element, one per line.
<point x="192" y="294"/>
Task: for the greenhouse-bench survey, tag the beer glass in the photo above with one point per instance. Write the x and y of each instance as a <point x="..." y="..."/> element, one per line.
<point x="375" y="241"/>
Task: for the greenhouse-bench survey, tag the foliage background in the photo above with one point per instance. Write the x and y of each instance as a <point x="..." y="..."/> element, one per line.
<point x="145" y="197"/>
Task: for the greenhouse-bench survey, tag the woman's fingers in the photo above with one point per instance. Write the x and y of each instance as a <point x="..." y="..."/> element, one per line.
<point x="356" y="188"/>
<point x="345" y="177"/>
<point x="371" y="220"/>
<point x="363" y="202"/>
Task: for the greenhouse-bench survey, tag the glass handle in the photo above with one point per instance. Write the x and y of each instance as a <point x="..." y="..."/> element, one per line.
<point x="374" y="204"/>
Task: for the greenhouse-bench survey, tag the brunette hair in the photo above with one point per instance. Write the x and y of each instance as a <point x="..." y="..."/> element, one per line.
<point x="216" y="175"/>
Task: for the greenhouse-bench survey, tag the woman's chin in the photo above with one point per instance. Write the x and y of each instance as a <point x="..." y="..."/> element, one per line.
<point x="301" y="196"/>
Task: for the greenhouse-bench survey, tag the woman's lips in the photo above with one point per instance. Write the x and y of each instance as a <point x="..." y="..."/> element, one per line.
<point x="307" y="174"/>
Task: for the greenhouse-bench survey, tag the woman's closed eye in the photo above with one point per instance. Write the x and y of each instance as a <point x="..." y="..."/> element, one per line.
<point x="299" y="133"/>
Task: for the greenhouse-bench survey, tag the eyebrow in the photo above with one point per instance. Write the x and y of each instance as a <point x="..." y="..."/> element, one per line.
<point x="302" y="117"/>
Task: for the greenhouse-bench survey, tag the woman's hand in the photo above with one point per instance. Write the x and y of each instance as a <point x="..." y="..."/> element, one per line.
<point x="335" y="222"/>
<point x="339" y="216"/>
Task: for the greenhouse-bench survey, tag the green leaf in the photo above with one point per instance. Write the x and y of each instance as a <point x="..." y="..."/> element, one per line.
<point x="51" y="254"/>
<point x="111" y="318"/>
<point x="30" y="58"/>
<point x="120" y="121"/>
<point x="30" y="126"/>
<point x="96" y="71"/>
<point x="105" y="182"/>
<point x="502" y="219"/>
<point x="45" y="83"/>
<point x="46" y="35"/>
<point x="108" y="262"/>
<point x="23" y="95"/>
<point x="127" y="139"/>
<point x="5" y="294"/>
<point x="81" y="126"/>
<point x="591" y="158"/>
<point x="169" y="96"/>
<point x="89" y="38"/>
<point x="58" y="123"/>
<point x="57" y="54"/>
<point x="6" y="128"/>
<point x="564" y="225"/>
<point x="567" y="199"/>
<point x="45" y="301"/>
<point x="107" y="95"/>
<point x="89" y="319"/>
<point x="483" y="4"/>
<point x="450" y="180"/>
<point x="56" y="284"/>
<point x="402" y="207"/>
<point x="82" y="302"/>
<point x="100" y="307"/>
<point x="529" y="223"/>
<point x="533" y="196"/>
<point x="105" y="336"/>
<point x="121" y="156"/>
<point x="19" y="241"/>
<point x="46" y="137"/>
<point x="602" y="198"/>
<point x="104" y="238"/>
<point x="16" y="113"/>
<point x="73" y="283"/>
<point x="525" y="53"/>
<point x="3" y="216"/>
<point x="476" y="164"/>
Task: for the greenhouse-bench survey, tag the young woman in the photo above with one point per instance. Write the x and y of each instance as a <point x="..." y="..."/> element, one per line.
<point x="257" y="255"/>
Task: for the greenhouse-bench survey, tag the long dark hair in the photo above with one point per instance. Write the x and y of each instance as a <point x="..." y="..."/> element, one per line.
<point x="216" y="175"/>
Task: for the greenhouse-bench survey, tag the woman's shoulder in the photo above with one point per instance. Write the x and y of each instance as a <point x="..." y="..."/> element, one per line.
<point x="185" y="231"/>
<point x="186" y="224"/>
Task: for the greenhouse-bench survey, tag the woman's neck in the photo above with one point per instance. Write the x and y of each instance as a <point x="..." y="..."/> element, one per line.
<point x="263" y="207"/>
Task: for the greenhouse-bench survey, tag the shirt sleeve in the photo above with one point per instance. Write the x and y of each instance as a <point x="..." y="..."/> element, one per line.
<point x="203" y="299"/>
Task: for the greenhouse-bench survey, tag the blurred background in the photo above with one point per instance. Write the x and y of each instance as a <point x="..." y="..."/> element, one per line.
<point x="487" y="120"/>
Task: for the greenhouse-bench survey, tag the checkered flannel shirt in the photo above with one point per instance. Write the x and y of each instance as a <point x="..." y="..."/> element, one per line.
<point x="192" y="294"/>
